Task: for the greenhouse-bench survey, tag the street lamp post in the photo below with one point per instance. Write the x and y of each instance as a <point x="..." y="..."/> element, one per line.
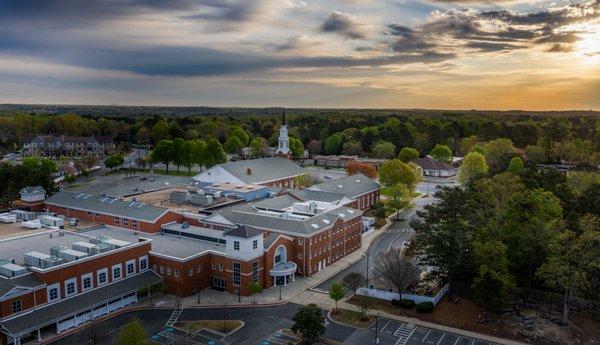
<point x="367" y="278"/>
<point x="376" y="329"/>
<point x="280" y="292"/>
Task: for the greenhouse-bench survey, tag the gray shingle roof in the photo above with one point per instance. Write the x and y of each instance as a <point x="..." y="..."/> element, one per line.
<point x="26" y="280"/>
<point x="428" y="163"/>
<point x="54" y="312"/>
<point x="32" y="189"/>
<point x="263" y="169"/>
<point x="106" y="205"/>
<point x="243" y="231"/>
<point x="246" y="214"/>
<point x="307" y="194"/>
<point x="351" y="186"/>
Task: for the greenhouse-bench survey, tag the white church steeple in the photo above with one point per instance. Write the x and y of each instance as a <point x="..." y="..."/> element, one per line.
<point x="283" y="148"/>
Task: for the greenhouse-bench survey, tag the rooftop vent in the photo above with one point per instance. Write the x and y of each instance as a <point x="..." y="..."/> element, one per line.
<point x="316" y="226"/>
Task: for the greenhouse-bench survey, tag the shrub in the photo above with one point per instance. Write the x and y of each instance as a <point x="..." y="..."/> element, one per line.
<point x="425" y="307"/>
<point x="403" y="303"/>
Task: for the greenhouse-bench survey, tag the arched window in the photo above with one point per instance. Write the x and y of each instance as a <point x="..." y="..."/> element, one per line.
<point x="280" y="254"/>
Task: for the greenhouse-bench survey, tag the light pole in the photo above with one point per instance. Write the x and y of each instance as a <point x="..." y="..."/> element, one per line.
<point x="367" y="278"/>
<point x="280" y="292"/>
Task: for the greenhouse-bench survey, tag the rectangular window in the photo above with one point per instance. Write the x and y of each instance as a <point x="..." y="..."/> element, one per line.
<point x="102" y="276"/>
<point x="130" y="267"/>
<point x="190" y="272"/>
<point x="255" y="267"/>
<point x="236" y="273"/>
<point x="199" y="269"/>
<point x="236" y="245"/>
<point x="299" y="255"/>
<point x="162" y="270"/>
<point x="70" y="288"/>
<point x="300" y="241"/>
<point x="255" y="244"/>
<point x="86" y="281"/>
<point x="116" y="272"/>
<point x="169" y="271"/>
<point x="16" y="306"/>
<point x="53" y="292"/>
<point x="125" y="221"/>
<point x="143" y="263"/>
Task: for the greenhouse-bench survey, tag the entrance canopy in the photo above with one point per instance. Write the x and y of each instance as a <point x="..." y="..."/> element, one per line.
<point x="283" y="269"/>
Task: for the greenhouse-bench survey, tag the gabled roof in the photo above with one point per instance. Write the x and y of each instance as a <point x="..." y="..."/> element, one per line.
<point x="243" y="231"/>
<point x="32" y="189"/>
<point x="25" y="281"/>
<point x="350" y="186"/>
<point x="307" y="194"/>
<point x="258" y="171"/>
<point x="107" y="205"/>
<point x="428" y="163"/>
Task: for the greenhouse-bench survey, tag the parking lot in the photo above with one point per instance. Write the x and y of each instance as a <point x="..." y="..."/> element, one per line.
<point x="394" y="332"/>
<point x="171" y="335"/>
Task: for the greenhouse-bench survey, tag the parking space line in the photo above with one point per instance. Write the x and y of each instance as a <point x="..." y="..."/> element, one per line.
<point x="442" y="337"/>
<point x="386" y="325"/>
<point x="426" y="335"/>
<point x="457" y="339"/>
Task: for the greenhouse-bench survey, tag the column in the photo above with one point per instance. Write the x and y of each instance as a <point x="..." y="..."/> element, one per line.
<point x="274" y="281"/>
<point x="39" y="335"/>
<point x="294" y="276"/>
<point x="285" y="280"/>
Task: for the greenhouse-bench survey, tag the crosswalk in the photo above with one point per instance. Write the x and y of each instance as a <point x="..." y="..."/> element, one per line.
<point x="403" y="333"/>
<point x="174" y="317"/>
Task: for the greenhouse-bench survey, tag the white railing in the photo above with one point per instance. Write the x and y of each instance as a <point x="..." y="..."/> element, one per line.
<point x="387" y="295"/>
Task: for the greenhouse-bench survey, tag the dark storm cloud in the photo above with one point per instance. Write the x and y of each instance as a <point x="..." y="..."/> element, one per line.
<point x="490" y="47"/>
<point x="560" y="48"/>
<point x="408" y="40"/>
<point x="342" y="24"/>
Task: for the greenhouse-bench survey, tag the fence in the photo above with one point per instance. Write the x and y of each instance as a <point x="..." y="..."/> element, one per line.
<point x="386" y="295"/>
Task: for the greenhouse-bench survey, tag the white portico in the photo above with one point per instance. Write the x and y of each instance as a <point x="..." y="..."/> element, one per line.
<point x="282" y="269"/>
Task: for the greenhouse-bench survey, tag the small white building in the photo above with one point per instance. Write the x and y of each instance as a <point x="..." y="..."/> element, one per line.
<point x="435" y="168"/>
<point x="33" y="194"/>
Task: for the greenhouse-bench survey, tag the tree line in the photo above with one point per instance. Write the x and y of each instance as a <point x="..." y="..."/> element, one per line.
<point x="370" y="133"/>
<point x="34" y="171"/>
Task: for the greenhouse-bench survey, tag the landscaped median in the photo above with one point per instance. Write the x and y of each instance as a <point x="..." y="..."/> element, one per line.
<point x="351" y="318"/>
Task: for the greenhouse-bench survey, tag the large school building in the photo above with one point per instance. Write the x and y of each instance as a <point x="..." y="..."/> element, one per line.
<point x="71" y="277"/>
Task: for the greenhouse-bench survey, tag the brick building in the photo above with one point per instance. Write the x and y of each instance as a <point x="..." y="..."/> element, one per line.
<point x="55" y="146"/>
<point x="57" y="280"/>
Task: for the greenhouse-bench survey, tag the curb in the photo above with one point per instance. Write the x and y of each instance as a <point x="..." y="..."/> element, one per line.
<point x="344" y="324"/>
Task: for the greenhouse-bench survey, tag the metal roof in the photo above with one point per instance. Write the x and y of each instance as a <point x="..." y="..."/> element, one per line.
<point x="107" y="205"/>
<point x="54" y="312"/>
<point x="257" y="171"/>
<point x="351" y="186"/>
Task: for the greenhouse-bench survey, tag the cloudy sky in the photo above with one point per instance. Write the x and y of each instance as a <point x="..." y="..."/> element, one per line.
<point x="441" y="54"/>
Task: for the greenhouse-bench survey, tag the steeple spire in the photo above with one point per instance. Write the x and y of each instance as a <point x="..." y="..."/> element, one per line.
<point x="283" y="117"/>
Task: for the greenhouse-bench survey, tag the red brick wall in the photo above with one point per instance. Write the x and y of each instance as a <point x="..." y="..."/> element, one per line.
<point x="27" y="302"/>
<point x="110" y="220"/>
<point x="77" y="269"/>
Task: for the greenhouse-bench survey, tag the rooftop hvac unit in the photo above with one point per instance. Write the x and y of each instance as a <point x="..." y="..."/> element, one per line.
<point x="71" y="255"/>
<point x="41" y="260"/>
<point x="89" y="248"/>
<point x="113" y="243"/>
<point x="8" y="218"/>
<point x="10" y="270"/>
<point x="185" y="225"/>
<point x="52" y="222"/>
<point x="202" y="200"/>
<point x="57" y="249"/>
<point x="178" y="197"/>
<point x="24" y="216"/>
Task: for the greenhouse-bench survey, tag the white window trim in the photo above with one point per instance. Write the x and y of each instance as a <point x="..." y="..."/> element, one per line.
<point x="143" y="258"/>
<point x="112" y="271"/>
<point x="87" y="275"/>
<point x="130" y="262"/>
<point x="74" y="281"/>
<point x="105" y="271"/>
<point x="50" y="287"/>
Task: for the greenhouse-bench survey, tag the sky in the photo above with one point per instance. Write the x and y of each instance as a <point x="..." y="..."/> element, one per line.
<point x="434" y="54"/>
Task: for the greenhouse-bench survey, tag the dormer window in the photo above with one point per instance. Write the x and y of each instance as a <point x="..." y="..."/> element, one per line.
<point x="255" y="244"/>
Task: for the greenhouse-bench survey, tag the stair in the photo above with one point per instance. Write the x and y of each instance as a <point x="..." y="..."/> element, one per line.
<point x="174" y="317"/>
<point x="404" y="332"/>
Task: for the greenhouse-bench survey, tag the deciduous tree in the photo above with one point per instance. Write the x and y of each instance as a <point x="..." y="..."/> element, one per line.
<point x="394" y="171"/>
<point x="133" y="334"/>
<point x="408" y="154"/>
<point x="474" y="166"/>
<point x="397" y="270"/>
<point x="354" y="280"/>
<point x="214" y="153"/>
<point x="441" y="153"/>
<point x="363" y="168"/>
<point x="336" y="293"/>
<point x="163" y="153"/>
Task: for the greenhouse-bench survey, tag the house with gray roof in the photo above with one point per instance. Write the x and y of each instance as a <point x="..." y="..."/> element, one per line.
<point x="434" y="168"/>
<point x="272" y="172"/>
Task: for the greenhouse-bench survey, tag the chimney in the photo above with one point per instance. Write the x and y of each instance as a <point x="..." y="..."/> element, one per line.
<point x="248" y="171"/>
